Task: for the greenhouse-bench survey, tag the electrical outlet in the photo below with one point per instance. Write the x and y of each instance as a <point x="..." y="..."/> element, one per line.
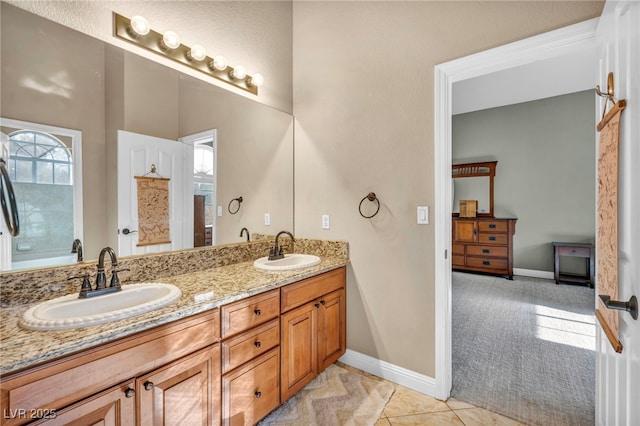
<point x="325" y="221"/>
<point x="219" y="211"/>
<point x="423" y="215"/>
<point x="267" y="219"/>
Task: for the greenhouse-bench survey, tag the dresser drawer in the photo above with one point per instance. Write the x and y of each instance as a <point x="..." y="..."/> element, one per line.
<point x="574" y="251"/>
<point x="487" y="251"/>
<point x="484" y="238"/>
<point x="248" y="345"/>
<point x="489" y="263"/>
<point x="492" y="226"/>
<point x="252" y="391"/>
<point x="298" y="294"/>
<point x="247" y="313"/>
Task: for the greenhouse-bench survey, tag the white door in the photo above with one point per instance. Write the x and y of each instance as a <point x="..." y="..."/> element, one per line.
<point x="618" y="375"/>
<point x="136" y="154"/>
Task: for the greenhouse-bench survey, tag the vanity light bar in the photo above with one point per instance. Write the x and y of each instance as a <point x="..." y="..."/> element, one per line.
<point x="153" y="41"/>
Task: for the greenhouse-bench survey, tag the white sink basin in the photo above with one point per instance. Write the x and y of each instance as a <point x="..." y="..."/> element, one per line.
<point x="68" y="312"/>
<point x="290" y="261"/>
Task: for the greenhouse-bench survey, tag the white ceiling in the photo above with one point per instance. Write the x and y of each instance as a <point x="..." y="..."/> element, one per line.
<point x="538" y="80"/>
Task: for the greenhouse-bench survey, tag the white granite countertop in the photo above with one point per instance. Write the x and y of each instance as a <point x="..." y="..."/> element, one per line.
<point x="20" y="348"/>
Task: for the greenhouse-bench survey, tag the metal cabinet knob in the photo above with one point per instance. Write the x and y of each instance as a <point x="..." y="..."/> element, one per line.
<point x="257" y="312"/>
<point x="257" y="344"/>
<point x="129" y="392"/>
<point x="258" y="394"/>
<point x="148" y="385"/>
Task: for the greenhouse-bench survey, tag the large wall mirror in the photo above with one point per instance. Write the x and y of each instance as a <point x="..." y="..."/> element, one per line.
<point x="56" y="77"/>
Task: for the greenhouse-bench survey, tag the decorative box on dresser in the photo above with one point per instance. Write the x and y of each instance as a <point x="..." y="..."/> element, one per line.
<point x="483" y="244"/>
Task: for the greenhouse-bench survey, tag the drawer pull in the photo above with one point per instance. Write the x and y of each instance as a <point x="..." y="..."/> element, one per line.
<point x="317" y="305"/>
<point x="257" y="344"/>
<point x="258" y="394"/>
<point x="486" y="262"/>
<point x="492" y="238"/>
<point x="257" y="312"/>
<point x="486" y="251"/>
<point x="129" y="393"/>
<point x="492" y="225"/>
<point x="148" y="385"/>
<point x="322" y="302"/>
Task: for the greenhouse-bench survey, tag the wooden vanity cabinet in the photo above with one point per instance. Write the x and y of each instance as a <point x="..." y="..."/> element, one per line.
<point x="250" y="358"/>
<point x="313" y="328"/>
<point x="483" y="245"/>
<point x="69" y="386"/>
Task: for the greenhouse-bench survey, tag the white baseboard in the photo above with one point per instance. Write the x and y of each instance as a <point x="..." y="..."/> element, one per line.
<point x="533" y="273"/>
<point x="399" y="375"/>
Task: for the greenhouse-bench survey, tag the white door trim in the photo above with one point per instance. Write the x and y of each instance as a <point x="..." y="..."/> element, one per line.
<point x="548" y="45"/>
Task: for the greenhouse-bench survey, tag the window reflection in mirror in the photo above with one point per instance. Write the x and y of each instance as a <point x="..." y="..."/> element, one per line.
<point x="45" y="168"/>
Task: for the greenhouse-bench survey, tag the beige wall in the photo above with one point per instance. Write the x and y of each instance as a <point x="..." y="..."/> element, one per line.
<point x="256" y="34"/>
<point x="363" y="101"/>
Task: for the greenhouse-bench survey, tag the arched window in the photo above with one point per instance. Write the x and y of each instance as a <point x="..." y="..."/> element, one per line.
<point x="38" y="157"/>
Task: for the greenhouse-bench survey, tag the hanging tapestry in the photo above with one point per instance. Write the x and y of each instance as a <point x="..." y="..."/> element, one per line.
<point x="607" y="252"/>
<point x="153" y="211"/>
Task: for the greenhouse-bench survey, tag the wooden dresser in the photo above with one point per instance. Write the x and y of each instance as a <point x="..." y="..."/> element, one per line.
<point x="483" y="244"/>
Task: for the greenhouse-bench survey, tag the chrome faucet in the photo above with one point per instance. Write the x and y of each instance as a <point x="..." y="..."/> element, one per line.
<point x="245" y="230"/>
<point x="101" y="280"/>
<point x="276" y="251"/>
<point x="77" y="248"/>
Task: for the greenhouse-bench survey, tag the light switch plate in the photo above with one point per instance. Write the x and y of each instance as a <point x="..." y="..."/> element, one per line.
<point x="219" y="211"/>
<point x="267" y="219"/>
<point x="423" y="215"/>
<point x="325" y="221"/>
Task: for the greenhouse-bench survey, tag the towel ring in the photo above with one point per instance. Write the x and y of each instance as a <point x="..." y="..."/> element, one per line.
<point x="371" y="197"/>
<point x="239" y="200"/>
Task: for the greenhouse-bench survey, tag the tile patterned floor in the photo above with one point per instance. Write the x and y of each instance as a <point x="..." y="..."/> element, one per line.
<point x="408" y="407"/>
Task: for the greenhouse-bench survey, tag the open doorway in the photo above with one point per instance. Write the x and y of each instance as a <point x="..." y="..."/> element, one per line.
<point x="565" y="41"/>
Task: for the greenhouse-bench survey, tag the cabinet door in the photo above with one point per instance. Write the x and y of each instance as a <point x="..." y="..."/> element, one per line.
<point x="299" y="350"/>
<point x="332" y="328"/>
<point x="251" y="391"/>
<point x="185" y="392"/>
<point x="465" y="231"/>
<point x="113" y="407"/>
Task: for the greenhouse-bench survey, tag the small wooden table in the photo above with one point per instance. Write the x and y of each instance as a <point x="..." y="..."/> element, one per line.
<point x="574" y="250"/>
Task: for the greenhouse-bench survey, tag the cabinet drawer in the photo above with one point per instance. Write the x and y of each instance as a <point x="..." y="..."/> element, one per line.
<point x="252" y="391"/>
<point x="247" y="313"/>
<point x="484" y="238"/>
<point x="492" y="226"/>
<point x="457" y="249"/>
<point x="490" y="251"/>
<point x="574" y="251"/>
<point x="246" y="346"/>
<point x="298" y="294"/>
<point x="489" y="263"/>
<point x="457" y="260"/>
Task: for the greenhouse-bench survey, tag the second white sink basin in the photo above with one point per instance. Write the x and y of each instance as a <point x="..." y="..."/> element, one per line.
<point x="69" y="312"/>
<point x="290" y="261"/>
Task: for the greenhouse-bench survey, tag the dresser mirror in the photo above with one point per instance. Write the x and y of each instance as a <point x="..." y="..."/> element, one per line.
<point x="474" y="181"/>
<point x="56" y="76"/>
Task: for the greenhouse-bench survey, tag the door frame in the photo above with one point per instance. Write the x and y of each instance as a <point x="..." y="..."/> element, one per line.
<point x="544" y="46"/>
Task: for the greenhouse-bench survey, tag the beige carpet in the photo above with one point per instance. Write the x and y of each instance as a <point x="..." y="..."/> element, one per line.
<point x="335" y="397"/>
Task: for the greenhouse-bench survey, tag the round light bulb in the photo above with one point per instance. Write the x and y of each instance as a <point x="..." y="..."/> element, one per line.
<point x="197" y="52"/>
<point x="219" y="63"/>
<point x="171" y="40"/>
<point x="239" y="72"/>
<point x="256" y="80"/>
<point x="140" y="26"/>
